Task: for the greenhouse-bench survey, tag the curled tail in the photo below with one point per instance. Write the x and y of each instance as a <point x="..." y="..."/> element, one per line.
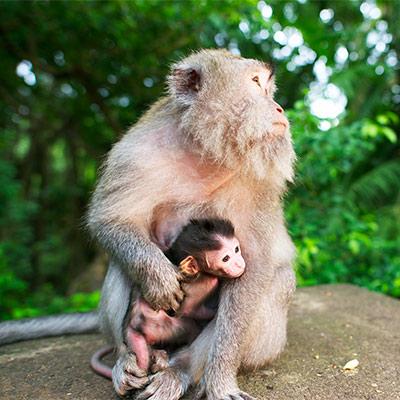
<point x="98" y="366"/>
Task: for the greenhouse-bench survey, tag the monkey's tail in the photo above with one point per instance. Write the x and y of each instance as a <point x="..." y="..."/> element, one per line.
<point x="51" y="325"/>
<point x="97" y="365"/>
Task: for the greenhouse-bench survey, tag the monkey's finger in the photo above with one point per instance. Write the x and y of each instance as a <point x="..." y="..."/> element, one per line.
<point x="241" y="396"/>
<point x="132" y="368"/>
<point x="124" y="383"/>
<point x="179" y="300"/>
<point x="135" y="371"/>
<point x="174" y="307"/>
<point x="151" y="389"/>
<point x="149" y="392"/>
<point x="164" y="385"/>
<point x="200" y="394"/>
<point x="180" y="295"/>
<point x="175" y="303"/>
<point x="137" y="383"/>
<point x="165" y="299"/>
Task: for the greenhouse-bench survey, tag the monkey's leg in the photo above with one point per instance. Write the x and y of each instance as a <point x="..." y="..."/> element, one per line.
<point x="266" y="334"/>
<point x="186" y="367"/>
<point x="252" y="345"/>
<point x="114" y="306"/>
<point x="138" y="345"/>
<point x="239" y="338"/>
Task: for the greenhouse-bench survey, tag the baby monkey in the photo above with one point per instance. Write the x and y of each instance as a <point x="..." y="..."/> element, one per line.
<point x="205" y="251"/>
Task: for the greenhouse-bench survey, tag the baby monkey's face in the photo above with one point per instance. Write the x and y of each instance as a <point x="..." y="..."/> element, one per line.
<point x="227" y="262"/>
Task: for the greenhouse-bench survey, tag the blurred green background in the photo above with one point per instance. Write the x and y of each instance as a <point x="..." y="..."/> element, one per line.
<point x="75" y="75"/>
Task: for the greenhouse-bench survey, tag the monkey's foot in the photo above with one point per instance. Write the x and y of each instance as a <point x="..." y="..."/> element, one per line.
<point x="126" y="375"/>
<point x="234" y="394"/>
<point x="159" y="359"/>
<point x="169" y="384"/>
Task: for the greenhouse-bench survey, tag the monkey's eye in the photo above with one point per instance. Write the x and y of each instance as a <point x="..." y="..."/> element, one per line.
<point x="256" y="79"/>
<point x="237" y="249"/>
<point x="226" y="259"/>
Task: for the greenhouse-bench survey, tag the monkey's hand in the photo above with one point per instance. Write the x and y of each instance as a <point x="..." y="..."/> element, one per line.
<point x="218" y="392"/>
<point x="168" y="384"/>
<point x="162" y="289"/>
<point x="160" y="361"/>
<point x="126" y="375"/>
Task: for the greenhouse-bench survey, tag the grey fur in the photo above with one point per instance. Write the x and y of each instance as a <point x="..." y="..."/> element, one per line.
<point x="52" y="325"/>
<point x="216" y="151"/>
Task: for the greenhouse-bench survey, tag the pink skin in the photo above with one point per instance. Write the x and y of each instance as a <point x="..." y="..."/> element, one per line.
<point x="97" y="365"/>
<point x="139" y="346"/>
<point x="159" y="327"/>
<point x="227" y="262"/>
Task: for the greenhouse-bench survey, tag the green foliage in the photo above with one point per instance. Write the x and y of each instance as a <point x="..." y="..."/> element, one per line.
<point x="76" y="74"/>
<point x="339" y="213"/>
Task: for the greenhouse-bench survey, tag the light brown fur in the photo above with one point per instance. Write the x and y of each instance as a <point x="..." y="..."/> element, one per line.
<point x="218" y="145"/>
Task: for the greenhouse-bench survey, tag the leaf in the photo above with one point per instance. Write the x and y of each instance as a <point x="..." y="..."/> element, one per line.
<point x="389" y="134"/>
<point x="378" y="185"/>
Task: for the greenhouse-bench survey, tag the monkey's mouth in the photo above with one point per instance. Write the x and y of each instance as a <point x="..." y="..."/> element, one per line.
<point x="237" y="273"/>
<point x="279" y="129"/>
<point x="280" y="123"/>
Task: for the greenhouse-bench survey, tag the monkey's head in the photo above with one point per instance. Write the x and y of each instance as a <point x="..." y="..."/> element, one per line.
<point x="228" y="112"/>
<point x="208" y="246"/>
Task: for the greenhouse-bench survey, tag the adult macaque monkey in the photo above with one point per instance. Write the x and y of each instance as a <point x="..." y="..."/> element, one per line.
<point x="216" y="146"/>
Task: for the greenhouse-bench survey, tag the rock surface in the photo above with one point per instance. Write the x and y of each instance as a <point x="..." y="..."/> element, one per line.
<point x="328" y="326"/>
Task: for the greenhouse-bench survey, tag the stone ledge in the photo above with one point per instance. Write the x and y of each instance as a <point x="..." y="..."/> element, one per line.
<point x="328" y="326"/>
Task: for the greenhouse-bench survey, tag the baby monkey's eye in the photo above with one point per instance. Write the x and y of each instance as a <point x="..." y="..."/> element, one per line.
<point x="226" y="259"/>
<point x="256" y="79"/>
<point x="237" y="249"/>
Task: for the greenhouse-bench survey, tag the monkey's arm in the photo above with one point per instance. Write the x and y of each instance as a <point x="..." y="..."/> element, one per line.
<point x="142" y="261"/>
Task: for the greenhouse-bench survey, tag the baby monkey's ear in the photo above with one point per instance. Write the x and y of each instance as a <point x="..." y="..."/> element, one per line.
<point x="189" y="266"/>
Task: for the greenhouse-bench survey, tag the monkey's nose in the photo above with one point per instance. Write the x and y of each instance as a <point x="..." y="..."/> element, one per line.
<point x="240" y="269"/>
<point x="277" y="107"/>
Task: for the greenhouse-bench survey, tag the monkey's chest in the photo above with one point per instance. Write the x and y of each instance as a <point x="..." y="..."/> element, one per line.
<point x="186" y="192"/>
<point x="168" y="220"/>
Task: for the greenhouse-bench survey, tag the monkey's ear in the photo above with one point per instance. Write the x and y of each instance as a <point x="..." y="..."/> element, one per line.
<point x="185" y="83"/>
<point x="189" y="266"/>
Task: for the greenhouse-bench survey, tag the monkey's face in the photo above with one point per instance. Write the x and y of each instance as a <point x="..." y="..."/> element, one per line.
<point x="260" y="83"/>
<point x="229" y="114"/>
<point x="227" y="262"/>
